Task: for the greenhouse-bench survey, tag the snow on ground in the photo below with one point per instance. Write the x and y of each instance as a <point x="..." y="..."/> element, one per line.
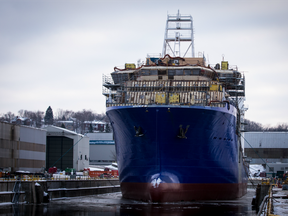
<point x="111" y="167"/>
<point x="280" y="203"/>
<point x="256" y="169"/>
<point x="95" y="169"/>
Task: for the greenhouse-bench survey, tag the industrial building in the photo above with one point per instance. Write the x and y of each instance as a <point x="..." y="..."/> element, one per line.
<point x="22" y="148"/>
<point x="66" y="149"/>
<point x="277" y="168"/>
<point x="271" y="147"/>
<point x="102" y="148"/>
<point x="94" y="126"/>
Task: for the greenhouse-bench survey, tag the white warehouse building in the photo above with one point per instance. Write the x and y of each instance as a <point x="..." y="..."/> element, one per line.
<point x="102" y="148"/>
<point x="266" y="147"/>
<point x="66" y="149"/>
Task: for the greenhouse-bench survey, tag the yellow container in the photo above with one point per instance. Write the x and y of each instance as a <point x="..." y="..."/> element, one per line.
<point x="160" y="98"/>
<point x="173" y="98"/>
<point x="224" y="65"/>
<point x="130" y="66"/>
<point x="215" y="87"/>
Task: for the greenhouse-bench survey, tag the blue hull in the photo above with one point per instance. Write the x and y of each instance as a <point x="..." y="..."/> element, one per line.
<point x="156" y="160"/>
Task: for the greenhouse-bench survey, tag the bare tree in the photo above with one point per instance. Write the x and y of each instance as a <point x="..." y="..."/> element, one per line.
<point x="35" y="116"/>
<point x="102" y="117"/>
<point x="253" y="126"/>
<point x="7" y="117"/>
<point x="21" y="112"/>
<point x="278" y="127"/>
<point x="63" y="114"/>
<point x="81" y="117"/>
<point x="39" y="115"/>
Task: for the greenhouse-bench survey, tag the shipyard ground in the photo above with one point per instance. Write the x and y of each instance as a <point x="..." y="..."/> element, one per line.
<point x="114" y="204"/>
<point x="280" y="202"/>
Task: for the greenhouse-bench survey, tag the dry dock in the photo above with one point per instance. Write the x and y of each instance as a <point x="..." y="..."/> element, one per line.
<point x="102" y="197"/>
<point x="32" y="191"/>
<point x="113" y="204"/>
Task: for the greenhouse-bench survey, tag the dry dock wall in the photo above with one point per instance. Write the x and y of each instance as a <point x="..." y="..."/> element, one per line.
<point x="57" y="189"/>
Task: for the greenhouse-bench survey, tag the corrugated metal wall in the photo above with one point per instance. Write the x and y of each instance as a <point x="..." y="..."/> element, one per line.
<point x="100" y="136"/>
<point x="102" y="153"/>
<point x="262" y="147"/>
<point x="9" y="131"/>
<point x="27" y="134"/>
<point x="266" y="139"/>
<point x="22" y="148"/>
<point x="99" y="153"/>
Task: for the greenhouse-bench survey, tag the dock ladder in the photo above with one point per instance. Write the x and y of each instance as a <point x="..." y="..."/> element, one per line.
<point x="16" y="191"/>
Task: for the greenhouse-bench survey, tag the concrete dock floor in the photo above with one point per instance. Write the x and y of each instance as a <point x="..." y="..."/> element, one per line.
<point x="280" y="202"/>
<point x="114" y="204"/>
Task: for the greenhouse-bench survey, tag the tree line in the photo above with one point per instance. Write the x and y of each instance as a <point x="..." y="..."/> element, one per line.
<point x="254" y="126"/>
<point x="39" y="118"/>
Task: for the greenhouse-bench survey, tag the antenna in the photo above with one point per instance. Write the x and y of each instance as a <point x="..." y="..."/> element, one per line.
<point x="178" y="34"/>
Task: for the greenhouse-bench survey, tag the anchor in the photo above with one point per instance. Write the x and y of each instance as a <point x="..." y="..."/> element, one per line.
<point x="182" y="133"/>
<point x="138" y="131"/>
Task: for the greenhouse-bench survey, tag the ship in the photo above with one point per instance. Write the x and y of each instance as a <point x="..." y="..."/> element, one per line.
<point x="177" y="123"/>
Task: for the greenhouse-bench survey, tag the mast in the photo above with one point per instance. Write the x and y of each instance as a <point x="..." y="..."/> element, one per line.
<point x="179" y="31"/>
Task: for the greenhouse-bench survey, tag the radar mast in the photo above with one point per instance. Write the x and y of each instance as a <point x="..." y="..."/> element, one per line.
<point x="179" y="30"/>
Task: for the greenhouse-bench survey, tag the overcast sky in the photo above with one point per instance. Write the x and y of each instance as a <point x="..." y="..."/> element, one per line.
<point x="53" y="53"/>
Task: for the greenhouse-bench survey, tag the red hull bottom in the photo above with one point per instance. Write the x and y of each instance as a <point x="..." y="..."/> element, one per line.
<point x="172" y="192"/>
